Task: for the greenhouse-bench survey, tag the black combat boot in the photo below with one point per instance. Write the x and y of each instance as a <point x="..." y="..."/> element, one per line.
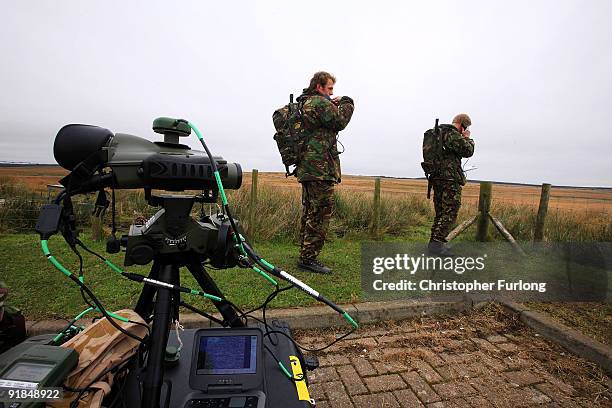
<point x="312" y="265"/>
<point x="437" y="248"/>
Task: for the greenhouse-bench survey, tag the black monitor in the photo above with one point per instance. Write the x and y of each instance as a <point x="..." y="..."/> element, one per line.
<point x="226" y="359"/>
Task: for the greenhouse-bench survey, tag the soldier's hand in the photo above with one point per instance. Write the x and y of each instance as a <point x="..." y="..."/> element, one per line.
<point x="466" y="133"/>
<point x="336" y="100"/>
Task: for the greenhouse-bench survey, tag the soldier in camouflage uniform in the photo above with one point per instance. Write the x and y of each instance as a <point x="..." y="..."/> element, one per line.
<point x="319" y="167"/>
<point x="448" y="180"/>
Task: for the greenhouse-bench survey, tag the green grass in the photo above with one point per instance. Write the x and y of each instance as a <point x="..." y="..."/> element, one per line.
<point x="43" y="292"/>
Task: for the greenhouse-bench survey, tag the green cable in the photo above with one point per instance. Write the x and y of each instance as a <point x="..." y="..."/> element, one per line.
<point x="51" y="258"/>
<point x="195" y="129"/>
<point x="225" y="202"/>
<point x="263" y="261"/>
<point x="265" y="275"/>
<point x="221" y="190"/>
<point x="45" y="248"/>
<point x="206" y="295"/>
<point x="268" y="264"/>
<point x="113" y="266"/>
<point x="83" y="313"/>
<point x="284" y="370"/>
<point x="192" y="291"/>
<point x="350" y="320"/>
<point x="77" y="318"/>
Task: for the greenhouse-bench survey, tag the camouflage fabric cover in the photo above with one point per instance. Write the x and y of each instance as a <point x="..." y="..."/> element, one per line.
<point x="445" y="154"/>
<point x="322" y="120"/>
<point x="447" y="201"/>
<point x="100" y="346"/>
<point x="318" y="205"/>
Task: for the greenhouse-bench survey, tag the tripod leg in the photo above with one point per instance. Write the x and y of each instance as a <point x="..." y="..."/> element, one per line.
<point x="208" y="285"/>
<point x="144" y="307"/>
<point x="154" y="374"/>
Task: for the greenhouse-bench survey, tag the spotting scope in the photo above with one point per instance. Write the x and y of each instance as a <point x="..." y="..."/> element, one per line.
<point x="135" y="162"/>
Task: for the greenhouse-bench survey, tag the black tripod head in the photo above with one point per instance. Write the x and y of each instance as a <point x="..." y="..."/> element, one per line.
<point x="174" y="234"/>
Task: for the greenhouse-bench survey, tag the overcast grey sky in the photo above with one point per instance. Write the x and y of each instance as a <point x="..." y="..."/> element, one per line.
<point x="535" y="76"/>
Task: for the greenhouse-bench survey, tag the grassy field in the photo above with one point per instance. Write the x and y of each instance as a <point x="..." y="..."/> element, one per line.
<point x="43" y="292"/>
<point x="575" y="214"/>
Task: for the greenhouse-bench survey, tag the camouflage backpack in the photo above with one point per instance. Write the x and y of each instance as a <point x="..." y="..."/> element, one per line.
<point x="288" y="124"/>
<point x="432" y="145"/>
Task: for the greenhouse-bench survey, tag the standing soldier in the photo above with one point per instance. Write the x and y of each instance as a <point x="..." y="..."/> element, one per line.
<point x="319" y="167"/>
<point x="451" y="143"/>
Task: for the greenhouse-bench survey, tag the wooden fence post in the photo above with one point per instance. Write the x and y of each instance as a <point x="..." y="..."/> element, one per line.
<point x="97" y="228"/>
<point x="252" y="205"/>
<point x="484" y="205"/>
<point x="460" y="228"/>
<point x="504" y="232"/>
<point x="376" y="210"/>
<point x="538" y="234"/>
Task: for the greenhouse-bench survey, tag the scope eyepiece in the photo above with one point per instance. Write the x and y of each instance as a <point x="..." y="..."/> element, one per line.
<point x="75" y="143"/>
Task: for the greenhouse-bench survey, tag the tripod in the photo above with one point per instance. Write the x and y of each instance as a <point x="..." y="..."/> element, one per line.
<point x="172" y="240"/>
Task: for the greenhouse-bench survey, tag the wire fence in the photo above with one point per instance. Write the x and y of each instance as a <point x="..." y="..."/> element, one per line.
<point x="573" y="214"/>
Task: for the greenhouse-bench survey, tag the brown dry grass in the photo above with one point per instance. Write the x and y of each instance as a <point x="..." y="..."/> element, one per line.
<point x="579" y="199"/>
<point x="592" y="319"/>
<point x="561" y="198"/>
<point x="35" y="178"/>
<point x="575" y="214"/>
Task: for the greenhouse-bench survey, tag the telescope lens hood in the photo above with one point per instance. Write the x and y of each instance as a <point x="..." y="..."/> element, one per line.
<point x="75" y="143"/>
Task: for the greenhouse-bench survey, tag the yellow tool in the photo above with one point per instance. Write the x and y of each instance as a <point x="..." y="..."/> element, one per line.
<point x="300" y="385"/>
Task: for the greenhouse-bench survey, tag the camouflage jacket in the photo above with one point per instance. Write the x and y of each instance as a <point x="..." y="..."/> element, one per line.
<point x="454" y="147"/>
<point x="322" y="120"/>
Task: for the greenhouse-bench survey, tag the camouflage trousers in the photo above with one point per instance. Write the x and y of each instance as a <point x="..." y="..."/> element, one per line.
<point x="447" y="201"/>
<point x="317" y="208"/>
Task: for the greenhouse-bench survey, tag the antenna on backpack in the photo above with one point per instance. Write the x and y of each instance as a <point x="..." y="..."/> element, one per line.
<point x="290" y="109"/>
